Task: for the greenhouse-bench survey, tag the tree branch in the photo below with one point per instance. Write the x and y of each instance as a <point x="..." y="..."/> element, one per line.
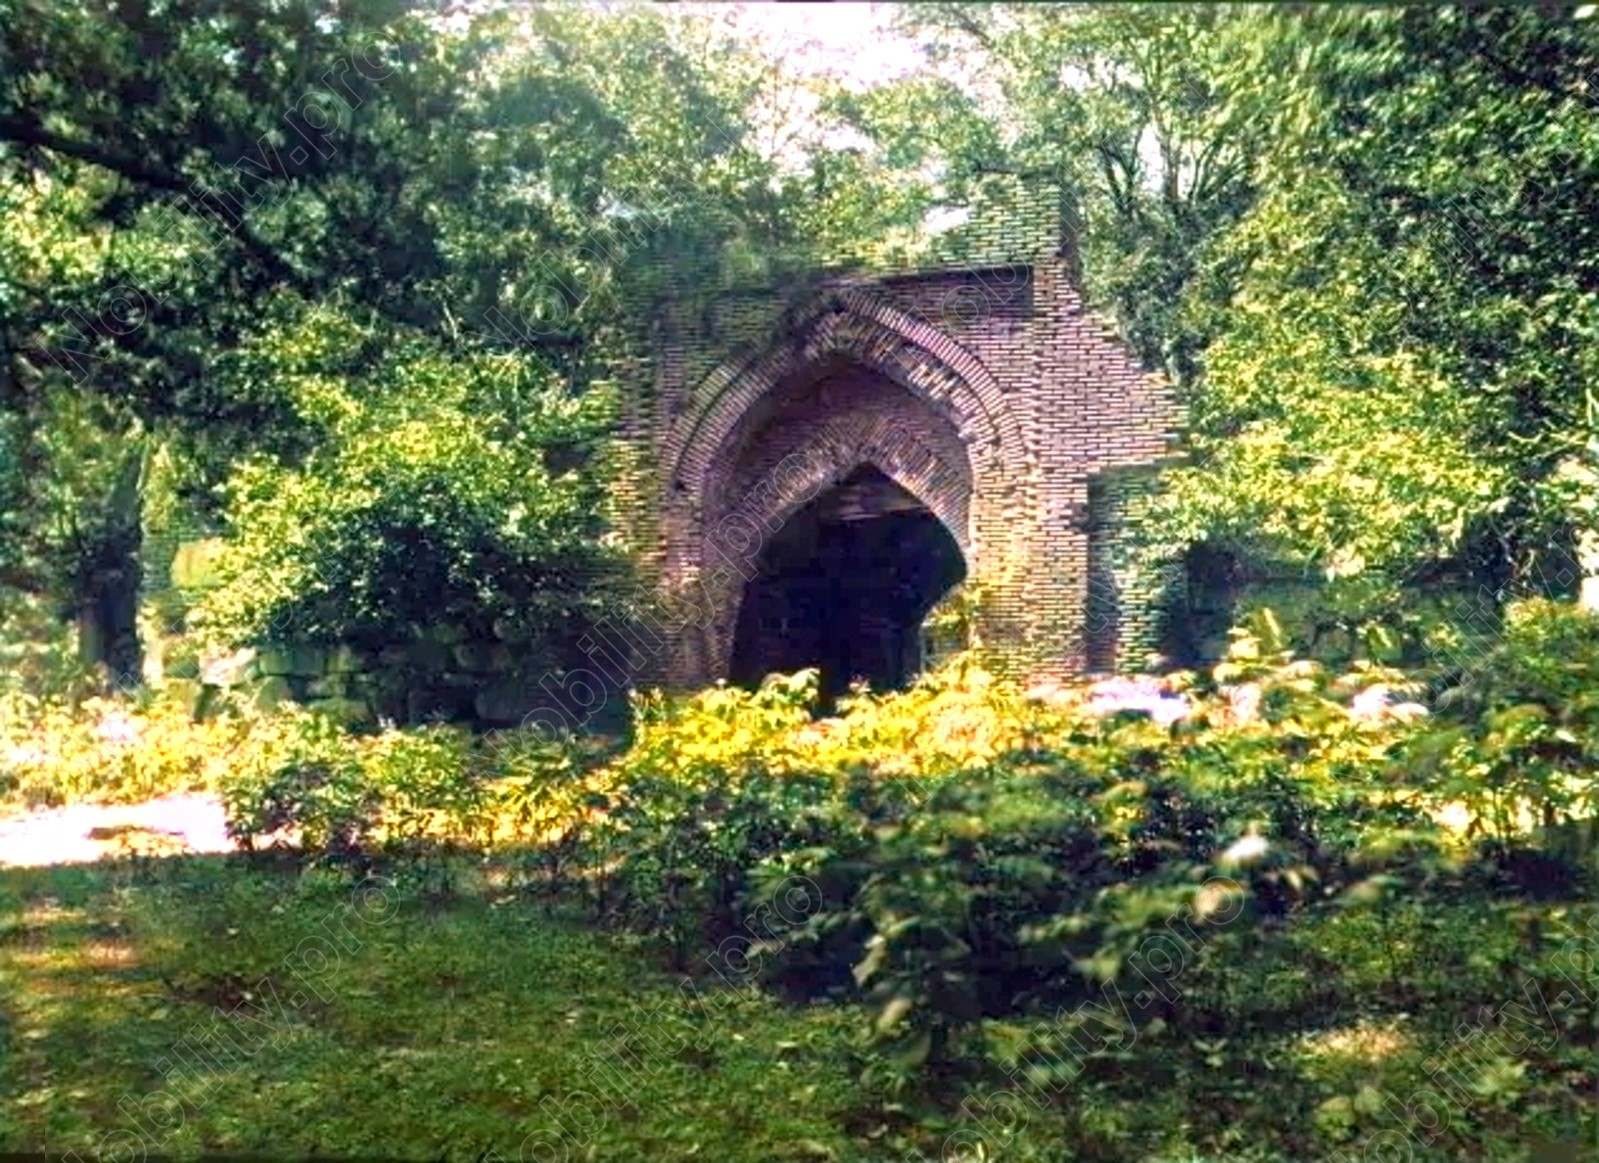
<point x="26" y="132"/>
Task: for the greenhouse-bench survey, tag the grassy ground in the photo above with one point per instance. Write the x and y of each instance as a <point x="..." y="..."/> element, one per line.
<point x="434" y="1031"/>
<point x="202" y="1004"/>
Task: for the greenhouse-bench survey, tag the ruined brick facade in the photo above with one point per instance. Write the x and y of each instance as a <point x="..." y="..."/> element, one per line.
<point x="975" y="380"/>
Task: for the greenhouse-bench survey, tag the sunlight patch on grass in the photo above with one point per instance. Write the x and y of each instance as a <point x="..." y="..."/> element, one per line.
<point x="1364" y="1041"/>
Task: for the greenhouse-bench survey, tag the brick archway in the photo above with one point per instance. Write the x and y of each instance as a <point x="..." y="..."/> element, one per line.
<point x="768" y="485"/>
<point x="853" y="325"/>
<point x="852" y="383"/>
<point x="1040" y="433"/>
<point x="845" y="585"/>
<point x="792" y="459"/>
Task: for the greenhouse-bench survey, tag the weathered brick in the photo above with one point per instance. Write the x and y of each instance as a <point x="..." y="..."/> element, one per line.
<point x="978" y="381"/>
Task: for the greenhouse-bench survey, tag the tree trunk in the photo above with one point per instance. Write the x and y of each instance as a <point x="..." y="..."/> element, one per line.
<point x="91" y="636"/>
<point x="108" y="605"/>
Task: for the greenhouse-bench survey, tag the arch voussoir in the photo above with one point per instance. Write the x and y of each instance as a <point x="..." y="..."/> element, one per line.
<point x="850" y="326"/>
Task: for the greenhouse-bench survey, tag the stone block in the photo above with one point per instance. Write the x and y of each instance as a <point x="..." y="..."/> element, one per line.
<point x="298" y="661"/>
<point x="181" y="666"/>
<point x="228" y="670"/>
<point x="443" y="632"/>
<point x="328" y="686"/>
<point x="384" y="691"/>
<point x="344" y="660"/>
<point x="428" y="655"/>
<point x="350" y="712"/>
<point x="508" y="701"/>
<point x="269" y="693"/>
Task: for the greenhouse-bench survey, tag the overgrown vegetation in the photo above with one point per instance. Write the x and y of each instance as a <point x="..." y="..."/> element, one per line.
<point x="343" y="284"/>
<point x="1359" y="241"/>
<point x="1029" y="897"/>
<point x="1106" y="908"/>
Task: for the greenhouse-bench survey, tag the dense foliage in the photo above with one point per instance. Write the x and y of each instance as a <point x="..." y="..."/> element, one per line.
<point x="213" y="255"/>
<point x="1026" y="896"/>
<point x="1360" y="241"/>
<point x="465" y="496"/>
<point x="344" y="284"/>
<point x="1400" y="366"/>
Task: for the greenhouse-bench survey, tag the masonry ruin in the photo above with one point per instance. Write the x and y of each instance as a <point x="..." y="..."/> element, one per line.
<point x="855" y="468"/>
<point x="822" y="461"/>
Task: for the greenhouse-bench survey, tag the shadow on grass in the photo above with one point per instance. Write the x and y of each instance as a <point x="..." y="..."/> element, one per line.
<point x="252" y="1004"/>
<point x="248" y="1004"/>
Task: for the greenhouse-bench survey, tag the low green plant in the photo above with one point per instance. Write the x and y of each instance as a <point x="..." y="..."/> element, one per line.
<point x="971" y="852"/>
<point x="1519" y="741"/>
<point x="410" y="796"/>
<point x="120" y="748"/>
<point x="306" y="784"/>
<point x="543" y="795"/>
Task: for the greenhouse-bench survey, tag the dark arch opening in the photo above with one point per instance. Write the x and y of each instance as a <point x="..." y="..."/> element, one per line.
<point x="844" y="587"/>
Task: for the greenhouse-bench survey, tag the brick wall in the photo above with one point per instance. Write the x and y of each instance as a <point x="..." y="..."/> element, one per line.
<point x="971" y="375"/>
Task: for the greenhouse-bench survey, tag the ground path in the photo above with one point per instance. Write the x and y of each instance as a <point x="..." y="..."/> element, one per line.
<point x="83" y="833"/>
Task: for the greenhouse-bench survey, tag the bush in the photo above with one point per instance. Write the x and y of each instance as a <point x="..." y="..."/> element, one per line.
<point x="340" y="796"/>
<point x="306" y="781"/>
<point x="966" y="850"/>
<point x="542" y="792"/>
<point x="416" y="797"/>
<point x="118" y="749"/>
<point x="420" y="513"/>
<point x="964" y="855"/>
<point x="1520" y="738"/>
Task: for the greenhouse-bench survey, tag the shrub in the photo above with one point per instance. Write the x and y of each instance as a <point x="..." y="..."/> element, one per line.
<point x="425" y="781"/>
<point x="967" y="850"/>
<point x="1521" y="739"/>
<point x="421" y="514"/>
<point x="305" y="782"/>
<point x="119" y="749"/>
<point x="405" y="793"/>
<point x="430" y="798"/>
<point x="542" y="791"/>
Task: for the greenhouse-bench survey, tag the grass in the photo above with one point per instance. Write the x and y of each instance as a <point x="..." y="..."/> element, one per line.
<point x="219" y="1005"/>
<point x="443" y="1031"/>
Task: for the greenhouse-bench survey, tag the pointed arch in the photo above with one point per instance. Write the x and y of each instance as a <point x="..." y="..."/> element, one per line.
<point x="906" y="399"/>
<point x="853" y="326"/>
<point x="804" y="461"/>
<point x="803" y="476"/>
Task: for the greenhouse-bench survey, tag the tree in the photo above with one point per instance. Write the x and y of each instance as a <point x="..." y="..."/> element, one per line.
<point x="1122" y="105"/>
<point x="1404" y="323"/>
<point x="445" y="493"/>
<point x="206" y="182"/>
